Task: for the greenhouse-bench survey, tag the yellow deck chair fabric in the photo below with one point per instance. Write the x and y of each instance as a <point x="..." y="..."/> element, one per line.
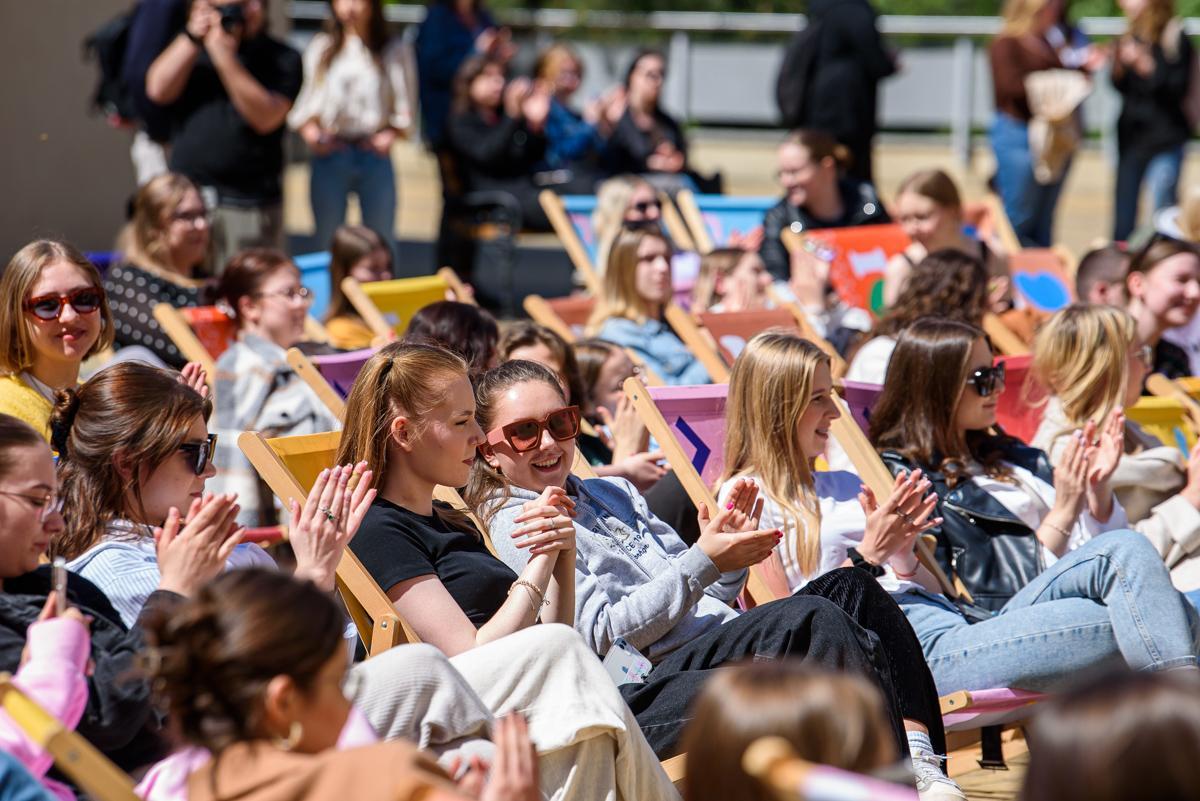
<point x="388" y="306"/>
<point x="1165" y="418"/>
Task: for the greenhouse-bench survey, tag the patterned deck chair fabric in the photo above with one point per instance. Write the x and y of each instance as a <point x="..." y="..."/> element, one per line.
<point x="857" y="257"/>
<point x="716" y="221"/>
<point x="1039" y="277"/>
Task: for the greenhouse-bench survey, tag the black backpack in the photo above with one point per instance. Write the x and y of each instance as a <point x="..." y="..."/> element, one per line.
<point x="795" y="74"/>
<point x="107" y="47"/>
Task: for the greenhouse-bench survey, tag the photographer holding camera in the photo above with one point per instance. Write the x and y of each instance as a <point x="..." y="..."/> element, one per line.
<point x="229" y="87"/>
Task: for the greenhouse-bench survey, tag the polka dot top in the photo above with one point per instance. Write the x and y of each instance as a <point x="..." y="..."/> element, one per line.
<point x="132" y="295"/>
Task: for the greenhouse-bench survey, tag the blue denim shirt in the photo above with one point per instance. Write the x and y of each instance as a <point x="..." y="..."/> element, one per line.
<point x="656" y="344"/>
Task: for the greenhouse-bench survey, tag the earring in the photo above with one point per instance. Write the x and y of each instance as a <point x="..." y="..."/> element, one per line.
<point x="295" y="732"/>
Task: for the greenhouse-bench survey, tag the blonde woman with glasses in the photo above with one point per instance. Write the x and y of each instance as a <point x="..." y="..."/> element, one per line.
<point x="1094" y="364"/>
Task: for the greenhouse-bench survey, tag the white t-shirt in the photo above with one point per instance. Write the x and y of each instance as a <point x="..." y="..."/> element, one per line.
<point x="871" y="362"/>
<point x="843" y="523"/>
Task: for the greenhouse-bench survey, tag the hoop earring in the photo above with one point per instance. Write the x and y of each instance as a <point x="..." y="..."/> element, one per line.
<point x="295" y="733"/>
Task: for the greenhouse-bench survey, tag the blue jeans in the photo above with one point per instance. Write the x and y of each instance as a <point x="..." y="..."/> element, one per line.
<point x="366" y="174"/>
<point x="1160" y="173"/>
<point x="1110" y="599"/>
<point x="1028" y="204"/>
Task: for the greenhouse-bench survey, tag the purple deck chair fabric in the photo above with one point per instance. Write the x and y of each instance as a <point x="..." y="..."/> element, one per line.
<point x="340" y="369"/>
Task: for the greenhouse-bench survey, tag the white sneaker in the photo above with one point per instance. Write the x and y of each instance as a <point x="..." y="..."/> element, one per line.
<point x="932" y="783"/>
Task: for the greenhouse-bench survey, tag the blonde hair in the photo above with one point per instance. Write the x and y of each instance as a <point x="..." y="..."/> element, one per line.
<point x="715" y="264"/>
<point x="143" y="240"/>
<point x="612" y="201"/>
<point x="769" y="390"/>
<point x="1080" y="355"/>
<point x="621" y="298"/>
<point x="1019" y="16"/>
<point x="552" y="59"/>
<point x="16" y="344"/>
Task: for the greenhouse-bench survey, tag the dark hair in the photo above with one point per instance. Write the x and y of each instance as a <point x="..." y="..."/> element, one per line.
<point x="468" y="71"/>
<point x="526" y="333"/>
<point x="590" y="356"/>
<point x="1130" y="735"/>
<point x="375" y="40"/>
<point x="1109" y="264"/>
<point x="350" y="244"/>
<point x="246" y="273"/>
<point x="933" y="354"/>
<point x="829" y="718"/>
<point x="15" y="433"/>
<point x="485" y="482"/>
<point x="130" y="410"/>
<point x="947" y="283"/>
<point x="644" y="52"/>
<point x="820" y="146"/>
<point x="212" y="657"/>
<point x="461" y="328"/>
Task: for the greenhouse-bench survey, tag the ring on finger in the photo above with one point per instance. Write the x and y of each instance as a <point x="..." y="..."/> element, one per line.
<point x="329" y="515"/>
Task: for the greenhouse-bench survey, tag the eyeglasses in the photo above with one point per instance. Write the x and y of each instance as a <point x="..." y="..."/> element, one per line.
<point x="645" y="206"/>
<point x="47" y="504"/>
<point x="50" y="307"/>
<point x="985" y="379"/>
<point x="1145" y="355"/>
<point x="192" y="218"/>
<point x="524" y="435"/>
<point x="292" y="295"/>
<point x="201" y="453"/>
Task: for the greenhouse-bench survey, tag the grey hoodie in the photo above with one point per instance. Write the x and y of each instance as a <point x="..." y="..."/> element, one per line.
<point x="634" y="577"/>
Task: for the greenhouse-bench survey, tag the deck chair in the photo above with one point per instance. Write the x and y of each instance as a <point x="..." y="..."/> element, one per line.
<point x="774" y="762"/>
<point x="990" y="222"/>
<point x="1165" y="418"/>
<point x="314" y="274"/>
<point x="808" y="331"/>
<point x="1020" y="406"/>
<point x="714" y="220"/>
<point x="674" y="225"/>
<point x="732" y="330"/>
<point x="571" y="218"/>
<point x="89" y="769"/>
<point x="568" y="318"/>
<point x="1039" y="277"/>
<point x="856" y="257"/>
<point x="388" y="306"/>
<point x="699" y="342"/>
<point x="1003" y="338"/>
<point x="1163" y="387"/>
<point x="290" y="465"/>
<point x="330" y="377"/>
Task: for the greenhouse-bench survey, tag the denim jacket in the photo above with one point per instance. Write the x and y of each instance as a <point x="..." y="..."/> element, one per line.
<point x="656" y="344"/>
<point x="988" y="547"/>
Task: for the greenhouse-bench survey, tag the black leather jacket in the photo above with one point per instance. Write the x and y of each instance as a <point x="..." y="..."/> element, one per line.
<point x="979" y="540"/>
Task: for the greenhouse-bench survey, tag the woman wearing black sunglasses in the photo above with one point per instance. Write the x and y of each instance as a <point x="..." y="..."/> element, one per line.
<point x="53" y="315"/>
<point x="1045" y="550"/>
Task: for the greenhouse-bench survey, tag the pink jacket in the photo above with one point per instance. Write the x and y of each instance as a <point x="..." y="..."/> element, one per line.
<point x="54" y="678"/>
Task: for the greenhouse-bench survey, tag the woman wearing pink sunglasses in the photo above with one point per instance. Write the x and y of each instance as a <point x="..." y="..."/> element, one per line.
<point x="53" y="315"/>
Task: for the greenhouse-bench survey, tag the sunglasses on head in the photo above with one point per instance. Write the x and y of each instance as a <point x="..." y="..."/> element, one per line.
<point x="985" y="379"/>
<point x="524" y="435"/>
<point x="50" y="307"/>
<point x="200" y="453"/>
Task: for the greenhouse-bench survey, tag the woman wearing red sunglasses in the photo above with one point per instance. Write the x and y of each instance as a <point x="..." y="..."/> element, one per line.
<point x="53" y="315"/>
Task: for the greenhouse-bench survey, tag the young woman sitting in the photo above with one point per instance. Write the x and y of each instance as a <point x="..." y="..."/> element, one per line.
<point x="411" y="417"/>
<point x="252" y="672"/>
<point x="1094" y="365"/>
<point x="53" y="315"/>
<point x="1164" y="293"/>
<point x="356" y="252"/>
<point x="1025" y="541"/>
<point x="946" y="283"/>
<point x="256" y="389"/>
<point x="637" y="289"/>
<point x="929" y="209"/>
<point x="463" y="328"/>
<point x="731" y="280"/>
<point x="635" y="580"/>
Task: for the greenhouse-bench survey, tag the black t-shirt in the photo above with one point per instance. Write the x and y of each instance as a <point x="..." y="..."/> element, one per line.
<point x="214" y="146"/>
<point x="395" y="544"/>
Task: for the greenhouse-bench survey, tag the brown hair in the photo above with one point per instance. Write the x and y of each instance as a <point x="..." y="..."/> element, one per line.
<point x="1131" y="735"/>
<point x="621" y="297"/>
<point x="551" y="60"/>
<point x="821" y="146"/>
<point x="1158" y="249"/>
<point x="590" y="356"/>
<point x="947" y="283"/>
<point x="934" y="185"/>
<point x="351" y="244"/>
<point x="22" y="272"/>
<point x="481" y="493"/>
<point x="130" y="410"/>
<point x="375" y="40"/>
<point x="526" y="333"/>
<point x="467" y="73"/>
<point x="462" y="328"/>
<point x="717" y="263"/>
<point x="1109" y="264"/>
<point x="1148" y="26"/>
<point x="143" y="240"/>
<point x="932" y="354"/>
<point x="15" y="433"/>
<point x="212" y="657"/>
<point x="829" y="718"/>
<point x="246" y="273"/>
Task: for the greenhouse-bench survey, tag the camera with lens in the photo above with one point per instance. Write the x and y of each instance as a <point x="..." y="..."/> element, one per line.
<point x="233" y="16"/>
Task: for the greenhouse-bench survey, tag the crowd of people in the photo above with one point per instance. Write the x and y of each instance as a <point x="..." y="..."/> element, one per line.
<point x="576" y="627"/>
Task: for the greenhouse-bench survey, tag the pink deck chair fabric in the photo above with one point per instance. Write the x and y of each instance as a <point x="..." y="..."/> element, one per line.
<point x="992" y="708"/>
<point x="1019" y="410"/>
<point x="340" y="369"/>
<point x="861" y="398"/>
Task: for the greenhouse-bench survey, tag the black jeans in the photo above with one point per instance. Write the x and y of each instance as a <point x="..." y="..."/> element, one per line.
<point x="817" y="624"/>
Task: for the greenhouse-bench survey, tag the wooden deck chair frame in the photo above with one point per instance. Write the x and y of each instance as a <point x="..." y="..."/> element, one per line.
<point x="540" y="310"/>
<point x="1003" y="338"/>
<point x="1158" y="384"/>
<point x="176" y="326"/>
<point x="1004" y="230"/>
<point x="808" y="332"/>
<point x="374" y="318"/>
<point x="377" y="621"/>
<point x="93" y="772"/>
<point x="460" y="291"/>
<point x="679" y="231"/>
<point x="311" y="375"/>
<point x="556" y="212"/>
<point x="699" y="342"/>
<point x="685" y="200"/>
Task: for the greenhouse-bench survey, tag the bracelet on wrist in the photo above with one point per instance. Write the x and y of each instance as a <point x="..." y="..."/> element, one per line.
<point x="906" y="576"/>
<point x="534" y="593"/>
<point x="1066" y="535"/>
<point x="198" y="41"/>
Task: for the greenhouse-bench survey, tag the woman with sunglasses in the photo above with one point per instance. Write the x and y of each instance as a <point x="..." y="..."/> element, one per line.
<point x="411" y="417"/>
<point x="1055" y="593"/>
<point x="53" y="315"/>
<point x="1094" y="366"/>
<point x="637" y="585"/>
<point x="1164" y="293"/>
<point x="256" y="389"/>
